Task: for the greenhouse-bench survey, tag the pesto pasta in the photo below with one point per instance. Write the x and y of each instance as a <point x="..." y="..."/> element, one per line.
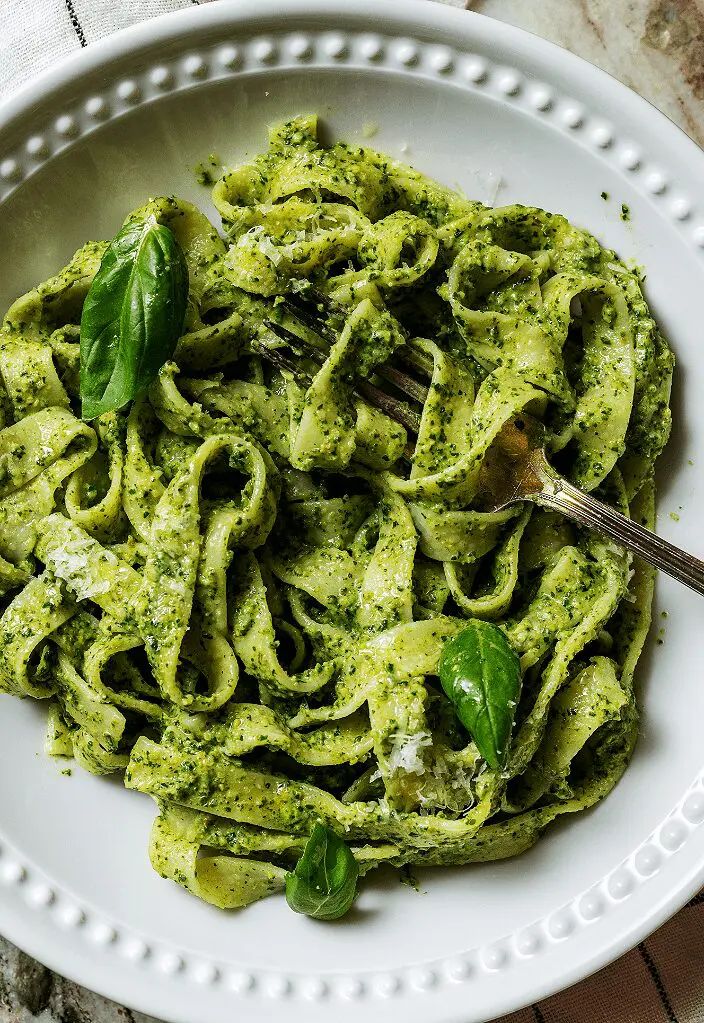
<point x="235" y="589"/>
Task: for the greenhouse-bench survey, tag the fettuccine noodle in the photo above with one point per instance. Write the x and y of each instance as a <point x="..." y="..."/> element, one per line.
<point x="235" y="591"/>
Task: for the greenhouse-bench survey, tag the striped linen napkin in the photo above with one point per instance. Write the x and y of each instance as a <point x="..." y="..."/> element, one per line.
<point x="662" y="981"/>
<point x="36" y="33"/>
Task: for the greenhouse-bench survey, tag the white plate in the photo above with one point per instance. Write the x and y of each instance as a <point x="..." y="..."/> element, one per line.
<point x="477" y="104"/>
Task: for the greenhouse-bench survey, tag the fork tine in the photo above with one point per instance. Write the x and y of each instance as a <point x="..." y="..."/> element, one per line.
<point x="279" y="359"/>
<point x="302" y="305"/>
<point x="294" y="340"/>
<point x="414" y="359"/>
<point x="405" y="383"/>
<point x="309" y="319"/>
<point x="395" y="409"/>
<point x="314" y="296"/>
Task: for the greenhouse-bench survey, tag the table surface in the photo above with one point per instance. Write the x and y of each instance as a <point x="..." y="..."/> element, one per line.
<point x="654" y="46"/>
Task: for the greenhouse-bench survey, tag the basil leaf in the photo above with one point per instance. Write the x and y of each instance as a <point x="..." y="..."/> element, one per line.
<point x="324" y="881"/>
<point x="132" y="316"/>
<point x="481" y="674"/>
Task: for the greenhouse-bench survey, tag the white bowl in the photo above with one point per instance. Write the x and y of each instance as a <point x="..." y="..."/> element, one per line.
<point x="477" y="104"/>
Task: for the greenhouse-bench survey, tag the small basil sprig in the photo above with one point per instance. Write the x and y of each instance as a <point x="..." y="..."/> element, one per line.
<point x="324" y="881"/>
<point x="481" y="674"/>
<point x="132" y="316"/>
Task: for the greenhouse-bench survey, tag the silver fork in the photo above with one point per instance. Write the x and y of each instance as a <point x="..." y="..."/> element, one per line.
<point x="515" y="468"/>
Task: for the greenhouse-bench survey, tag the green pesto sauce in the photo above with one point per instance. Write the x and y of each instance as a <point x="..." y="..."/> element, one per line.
<point x="235" y="592"/>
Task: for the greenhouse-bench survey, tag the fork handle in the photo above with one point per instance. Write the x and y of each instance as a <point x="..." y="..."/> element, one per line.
<point x="562" y="496"/>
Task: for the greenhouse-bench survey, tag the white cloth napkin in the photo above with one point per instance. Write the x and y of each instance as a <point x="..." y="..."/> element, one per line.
<point x="662" y="981"/>
<point x="36" y="33"/>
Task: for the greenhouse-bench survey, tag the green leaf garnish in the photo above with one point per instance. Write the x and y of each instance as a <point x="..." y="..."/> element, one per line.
<point x="132" y="316"/>
<point x="323" y="883"/>
<point x="481" y="674"/>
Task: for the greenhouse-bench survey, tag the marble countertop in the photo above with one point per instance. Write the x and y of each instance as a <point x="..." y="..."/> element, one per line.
<point x="654" y="46"/>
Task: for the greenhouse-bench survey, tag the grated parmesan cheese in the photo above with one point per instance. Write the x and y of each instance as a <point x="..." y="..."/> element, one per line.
<point x="71" y="564"/>
<point x="405" y="754"/>
<point x="496" y="183"/>
<point x="265" y="245"/>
